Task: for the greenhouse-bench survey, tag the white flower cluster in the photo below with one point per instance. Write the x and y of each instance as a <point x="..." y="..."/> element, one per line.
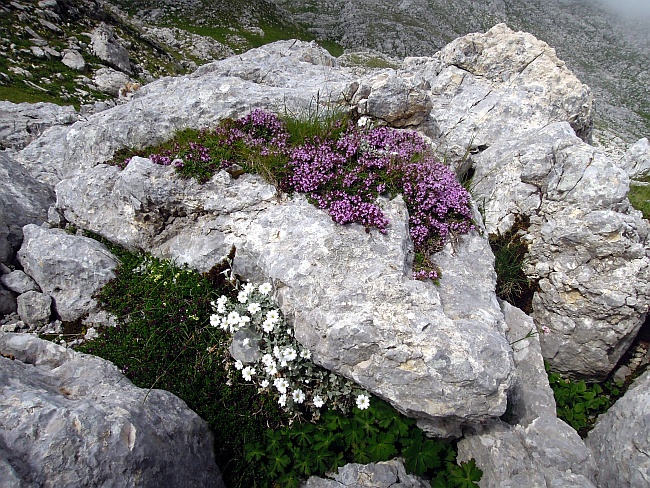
<point x="285" y="368"/>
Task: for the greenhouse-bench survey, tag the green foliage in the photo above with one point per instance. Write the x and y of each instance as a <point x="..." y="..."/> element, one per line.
<point x="509" y="259"/>
<point x="376" y="434"/>
<point x="163" y="340"/>
<point x="579" y="404"/>
<point x="640" y="196"/>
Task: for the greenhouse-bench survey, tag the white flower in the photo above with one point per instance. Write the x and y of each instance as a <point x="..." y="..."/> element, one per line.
<point x="248" y="288"/>
<point x="305" y="354"/>
<point x="246" y="342"/>
<point x="238" y="365"/>
<point x="242" y="297"/>
<point x="289" y="354"/>
<point x="233" y="318"/>
<point x="215" y="320"/>
<point x="243" y="320"/>
<point x="267" y="326"/>
<point x="298" y="396"/>
<point x="272" y="316"/>
<point x="276" y="352"/>
<point x="265" y="288"/>
<point x="363" y="402"/>
<point x="271" y="369"/>
<point x="221" y="308"/>
<point x="221" y="304"/>
<point x="248" y="373"/>
<point x="254" y="307"/>
<point x="264" y="384"/>
<point x="281" y="384"/>
<point x="282" y="400"/>
<point x="318" y="401"/>
<point x="267" y="359"/>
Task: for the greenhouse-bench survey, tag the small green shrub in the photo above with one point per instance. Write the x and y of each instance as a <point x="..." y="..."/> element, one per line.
<point x="510" y="251"/>
<point x="579" y="404"/>
<point x="640" y="196"/>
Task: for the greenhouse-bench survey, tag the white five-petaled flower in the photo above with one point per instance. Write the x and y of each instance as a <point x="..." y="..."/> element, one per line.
<point x="242" y="296"/>
<point x="233" y="318"/>
<point x="318" y="401"/>
<point x="267" y="326"/>
<point x="363" y="402"/>
<point x="281" y="384"/>
<point x="265" y="288"/>
<point x="271" y="369"/>
<point x="272" y="316"/>
<point x="221" y="304"/>
<point x="298" y="396"/>
<point x="305" y="354"/>
<point x="264" y="383"/>
<point x="267" y="359"/>
<point x="239" y="365"/>
<point x="246" y="342"/>
<point x="282" y="400"/>
<point x="215" y="320"/>
<point x="289" y="354"/>
<point x="254" y="307"/>
<point x="248" y="288"/>
<point x="248" y="372"/>
<point x="276" y="352"/>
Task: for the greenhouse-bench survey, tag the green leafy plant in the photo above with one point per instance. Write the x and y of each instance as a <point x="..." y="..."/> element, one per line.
<point x="640" y="195"/>
<point x="579" y="403"/>
<point x="378" y="433"/>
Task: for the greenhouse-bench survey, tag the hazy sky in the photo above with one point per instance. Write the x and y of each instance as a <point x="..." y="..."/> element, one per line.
<point x="635" y="9"/>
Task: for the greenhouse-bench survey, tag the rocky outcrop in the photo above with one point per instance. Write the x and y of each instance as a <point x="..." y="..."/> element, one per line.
<point x="21" y="123"/>
<point x="587" y="247"/>
<point x="620" y="441"/>
<point x="23" y="201"/>
<point x="420" y="347"/>
<point x="68" y="268"/>
<point x="636" y="161"/>
<point x="107" y="47"/>
<point x="532" y="448"/>
<point x="68" y="419"/>
<point x="390" y="474"/>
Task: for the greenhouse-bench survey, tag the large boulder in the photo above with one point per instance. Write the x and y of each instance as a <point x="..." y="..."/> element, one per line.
<point x="69" y="419"/>
<point x="69" y="268"/>
<point x="107" y="47"/>
<point x="587" y="246"/>
<point x="531" y="447"/>
<point x="21" y="123"/>
<point x="23" y="200"/>
<point x="348" y="293"/>
<point x="620" y="441"/>
<point x="636" y="161"/>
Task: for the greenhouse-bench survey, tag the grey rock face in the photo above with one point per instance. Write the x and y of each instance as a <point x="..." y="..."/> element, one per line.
<point x="7" y="301"/>
<point x="34" y="308"/>
<point x="620" y="441"/>
<point x="390" y="474"/>
<point x="636" y="161"/>
<point x="496" y="84"/>
<point x="69" y="268"/>
<point x="107" y="47"/>
<point x="349" y="294"/>
<point x="18" y="282"/>
<point x="110" y="81"/>
<point x="73" y="60"/>
<point x="535" y="448"/>
<point x="587" y="246"/>
<point x="23" y="200"/>
<point x="21" y="123"/>
<point x="75" y="420"/>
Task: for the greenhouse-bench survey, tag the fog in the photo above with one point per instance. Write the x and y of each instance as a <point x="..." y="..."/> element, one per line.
<point x="632" y="9"/>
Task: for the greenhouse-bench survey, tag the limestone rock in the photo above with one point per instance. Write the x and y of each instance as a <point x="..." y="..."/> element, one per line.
<point x="500" y="83"/>
<point x="636" y="161"/>
<point x="620" y="441"/>
<point x="389" y="474"/>
<point x="74" y="420"/>
<point x="17" y="281"/>
<point x="21" y="123"/>
<point x="23" y="200"/>
<point x="110" y="81"/>
<point x="535" y="448"/>
<point x="67" y="267"/>
<point x="73" y="60"/>
<point x="8" y="303"/>
<point x="34" y="308"/>
<point x="348" y="293"/>
<point x="105" y="45"/>
<point x="587" y="247"/>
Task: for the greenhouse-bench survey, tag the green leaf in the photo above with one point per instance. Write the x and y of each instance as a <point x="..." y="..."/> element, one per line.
<point x="383" y="448"/>
<point x="254" y="452"/>
<point x="466" y="475"/>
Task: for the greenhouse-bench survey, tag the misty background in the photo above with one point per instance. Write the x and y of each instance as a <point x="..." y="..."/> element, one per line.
<point x="636" y="10"/>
